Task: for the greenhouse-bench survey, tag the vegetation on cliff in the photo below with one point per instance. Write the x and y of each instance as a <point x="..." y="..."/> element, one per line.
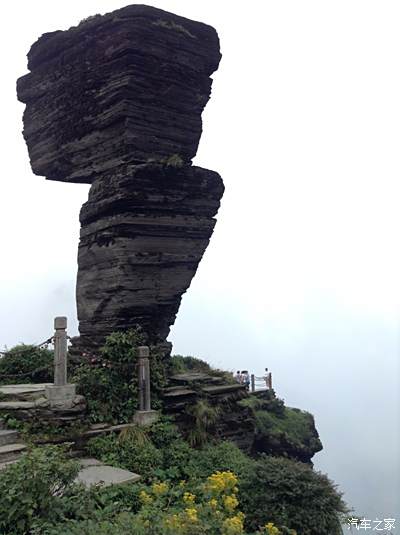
<point x="216" y="490"/>
<point x="263" y="489"/>
<point x="280" y="430"/>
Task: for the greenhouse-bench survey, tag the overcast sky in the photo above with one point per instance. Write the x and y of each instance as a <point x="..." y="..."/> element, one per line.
<point x="302" y="273"/>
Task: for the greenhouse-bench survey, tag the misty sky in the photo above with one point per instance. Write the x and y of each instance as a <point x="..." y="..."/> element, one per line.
<point x="302" y="273"/>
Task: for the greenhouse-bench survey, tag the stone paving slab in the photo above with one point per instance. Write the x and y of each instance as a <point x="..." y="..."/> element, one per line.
<point x="10" y="452"/>
<point x="25" y="392"/>
<point x="8" y="436"/>
<point x="23" y="389"/>
<point x="105" y="476"/>
<point x="13" y="405"/>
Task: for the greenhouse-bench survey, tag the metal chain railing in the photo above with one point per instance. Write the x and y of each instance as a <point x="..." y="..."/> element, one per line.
<point x="32" y="373"/>
<point x="29" y="346"/>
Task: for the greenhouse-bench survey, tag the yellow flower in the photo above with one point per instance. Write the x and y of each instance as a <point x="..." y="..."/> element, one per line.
<point x="230" y="502"/>
<point x="159" y="488"/>
<point x="222" y="482"/>
<point x="213" y="503"/>
<point x="144" y="497"/>
<point x="173" y="522"/>
<point x="233" y="525"/>
<point x="191" y="513"/>
<point x="271" y="529"/>
<point x="188" y="497"/>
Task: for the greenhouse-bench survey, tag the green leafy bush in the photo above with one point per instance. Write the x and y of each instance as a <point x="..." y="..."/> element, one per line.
<point x="109" y="382"/>
<point x="31" y="489"/>
<point x="291" y="494"/>
<point x="179" y="364"/>
<point x="164" y="433"/>
<point x="265" y="400"/>
<point x="224" y="456"/>
<point x="26" y="364"/>
<point x="203" y="418"/>
<point x="82" y="510"/>
<point x="281" y="430"/>
<point x="129" y="452"/>
<point x="211" y="509"/>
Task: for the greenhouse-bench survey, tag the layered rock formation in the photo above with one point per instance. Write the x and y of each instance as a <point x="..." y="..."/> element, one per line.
<point x="233" y="422"/>
<point x="117" y="102"/>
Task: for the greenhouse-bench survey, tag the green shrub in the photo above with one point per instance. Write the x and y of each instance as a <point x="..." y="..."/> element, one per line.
<point x="265" y="401"/>
<point x="26" y="364"/>
<point x="203" y="418"/>
<point x="109" y="382"/>
<point x="291" y="494"/>
<point x="282" y="431"/>
<point x="179" y="364"/>
<point x="224" y="456"/>
<point x="84" y="509"/>
<point x="163" y="433"/>
<point x="211" y="509"/>
<point x="128" y="452"/>
<point x="31" y="489"/>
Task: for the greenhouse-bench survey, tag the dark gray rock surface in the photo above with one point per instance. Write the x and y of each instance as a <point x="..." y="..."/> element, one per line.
<point x="116" y="102"/>
<point x="121" y="88"/>
<point x="143" y="235"/>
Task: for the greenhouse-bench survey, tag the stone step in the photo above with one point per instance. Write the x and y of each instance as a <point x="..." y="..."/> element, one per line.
<point x="11" y="452"/>
<point x="223" y="389"/>
<point x="194" y="377"/>
<point x="14" y="405"/>
<point x="7" y="463"/>
<point x="23" y="392"/>
<point x="8" y="436"/>
<point x="93" y="473"/>
<point x="178" y="391"/>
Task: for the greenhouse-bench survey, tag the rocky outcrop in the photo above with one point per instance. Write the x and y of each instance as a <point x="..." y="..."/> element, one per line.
<point x="144" y="232"/>
<point x="233" y="421"/>
<point x="120" y="88"/>
<point x="116" y="102"/>
<point x="280" y="430"/>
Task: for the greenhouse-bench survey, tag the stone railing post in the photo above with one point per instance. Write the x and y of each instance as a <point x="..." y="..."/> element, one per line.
<point x="253" y="383"/>
<point x="60" y="351"/>
<point x="144" y="378"/>
<point x="61" y="395"/>
<point x="144" y="416"/>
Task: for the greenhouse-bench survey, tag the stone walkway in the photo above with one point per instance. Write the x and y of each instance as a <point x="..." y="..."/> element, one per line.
<point x="93" y="472"/>
<point x="11" y="447"/>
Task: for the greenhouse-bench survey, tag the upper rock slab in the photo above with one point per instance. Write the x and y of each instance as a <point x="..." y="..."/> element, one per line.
<point x="125" y="87"/>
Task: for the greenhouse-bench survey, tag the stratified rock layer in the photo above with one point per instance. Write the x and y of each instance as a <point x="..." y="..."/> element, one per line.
<point x="121" y="88"/>
<point x="117" y="102"/>
<point x="143" y="234"/>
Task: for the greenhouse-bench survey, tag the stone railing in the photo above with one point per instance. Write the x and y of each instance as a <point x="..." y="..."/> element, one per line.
<point x="61" y="395"/>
